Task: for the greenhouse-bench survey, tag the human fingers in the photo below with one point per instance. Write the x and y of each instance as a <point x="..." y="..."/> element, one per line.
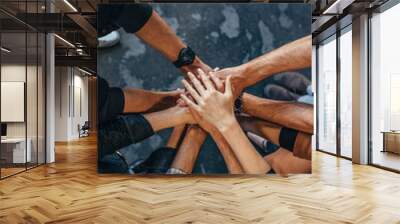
<point x="191" y="91"/>
<point x="190" y="103"/>
<point x="197" y="84"/>
<point x="206" y="80"/>
<point x="217" y="82"/>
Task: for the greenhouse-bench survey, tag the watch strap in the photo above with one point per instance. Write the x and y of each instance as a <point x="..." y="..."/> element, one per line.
<point x="238" y="104"/>
<point x="179" y="62"/>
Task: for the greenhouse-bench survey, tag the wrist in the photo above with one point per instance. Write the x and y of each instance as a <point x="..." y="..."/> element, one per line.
<point x="246" y="68"/>
<point x="185" y="58"/>
<point x="240" y="78"/>
<point x="245" y="102"/>
<point x="225" y="125"/>
<point x="197" y="63"/>
<point x="182" y="114"/>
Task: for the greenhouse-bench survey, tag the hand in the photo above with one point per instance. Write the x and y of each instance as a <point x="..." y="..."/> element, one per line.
<point x="202" y="122"/>
<point x="197" y="64"/>
<point x="185" y="114"/>
<point x="219" y="86"/>
<point x="211" y="105"/>
<point x="238" y="78"/>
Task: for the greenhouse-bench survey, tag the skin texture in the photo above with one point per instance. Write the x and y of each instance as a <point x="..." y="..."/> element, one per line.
<point x="230" y="159"/>
<point x="171" y="117"/>
<point x="159" y="35"/>
<point x="138" y="100"/>
<point x="271" y="132"/>
<point x="174" y="138"/>
<point x="217" y="109"/>
<point x="189" y="149"/>
<point x="284" y="162"/>
<point x="292" y="56"/>
<point x="293" y="115"/>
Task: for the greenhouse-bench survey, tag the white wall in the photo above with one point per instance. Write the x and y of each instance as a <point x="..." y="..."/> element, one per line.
<point x="16" y="73"/>
<point x="12" y="73"/>
<point x="70" y="83"/>
<point x="33" y="126"/>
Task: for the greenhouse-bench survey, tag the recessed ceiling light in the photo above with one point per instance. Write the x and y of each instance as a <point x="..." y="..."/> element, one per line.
<point x="84" y="71"/>
<point x="5" y="50"/>
<point x="64" y="40"/>
<point x="70" y="5"/>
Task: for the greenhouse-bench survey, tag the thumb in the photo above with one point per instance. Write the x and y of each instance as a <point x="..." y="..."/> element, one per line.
<point x="228" y="87"/>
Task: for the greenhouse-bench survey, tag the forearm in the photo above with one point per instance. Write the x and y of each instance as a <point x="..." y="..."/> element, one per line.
<point x="168" y="118"/>
<point x="175" y="136"/>
<point x="284" y="162"/>
<point x="160" y="36"/>
<point x="189" y="149"/>
<point x="299" y="144"/>
<point x="138" y="100"/>
<point x="294" y="115"/>
<point x="292" y="56"/>
<point x="250" y="160"/>
<point x="230" y="159"/>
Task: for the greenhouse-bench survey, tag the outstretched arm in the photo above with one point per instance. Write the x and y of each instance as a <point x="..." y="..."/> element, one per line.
<point x="159" y="35"/>
<point x="139" y="100"/>
<point x="294" y="115"/>
<point x="297" y="142"/>
<point x="132" y="128"/>
<point x="176" y="136"/>
<point x="292" y="56"/>
<point x="284" y="162"/>
<point x="171" y="117"/>
<point x="189" y="149"/>
<point x="230" y="159"/>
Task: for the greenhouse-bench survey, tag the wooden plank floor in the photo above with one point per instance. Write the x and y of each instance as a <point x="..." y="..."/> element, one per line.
<point x="70" y="191"/>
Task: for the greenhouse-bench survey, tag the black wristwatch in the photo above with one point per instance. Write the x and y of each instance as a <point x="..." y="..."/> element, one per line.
<point x="238" y="105"/>
<point x="186" y="57"/>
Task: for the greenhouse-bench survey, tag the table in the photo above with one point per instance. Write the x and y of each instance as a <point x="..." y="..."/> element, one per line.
<point x="391" y="141"/>
<point x="13" y="150"/>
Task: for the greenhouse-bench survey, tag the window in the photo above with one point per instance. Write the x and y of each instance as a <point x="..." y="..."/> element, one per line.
<point x="346" y="95"/>
<point x="327" y="95"/>
<point x="385" y="89"/>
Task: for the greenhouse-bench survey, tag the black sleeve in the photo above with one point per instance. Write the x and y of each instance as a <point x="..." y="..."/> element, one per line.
<point x="287" y="138"/>
<point x="121" y="132"/>
<point x="111" y="101"/>
<point x="131" y="17"/>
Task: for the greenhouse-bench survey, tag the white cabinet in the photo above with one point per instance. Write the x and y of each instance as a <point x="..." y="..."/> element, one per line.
<point x="17" y="147"/>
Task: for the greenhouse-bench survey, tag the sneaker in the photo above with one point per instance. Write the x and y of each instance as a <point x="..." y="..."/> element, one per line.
<point x="293" y="81"/>
<point x="109" y="40"/>
<point x="275" y="92"/>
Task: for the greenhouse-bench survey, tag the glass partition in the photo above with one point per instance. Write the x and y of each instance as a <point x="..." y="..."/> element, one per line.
<point x="385" y="89"/>
<point x="346" y="92"/>
<point x="327" y="95"/>
<point x="41" y="96"/>
<point x="13" y="94"/>
<point x="31" y="99"/>
<point x="22" y="88"/>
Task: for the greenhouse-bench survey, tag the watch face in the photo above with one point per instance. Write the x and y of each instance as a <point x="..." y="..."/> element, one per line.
<point x="187" y="56"/>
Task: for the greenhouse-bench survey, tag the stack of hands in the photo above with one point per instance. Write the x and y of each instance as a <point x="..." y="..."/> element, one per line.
<point x="210" y="100"/>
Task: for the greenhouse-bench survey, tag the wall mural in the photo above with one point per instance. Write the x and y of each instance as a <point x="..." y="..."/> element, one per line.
<point x="145" y="124"/>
